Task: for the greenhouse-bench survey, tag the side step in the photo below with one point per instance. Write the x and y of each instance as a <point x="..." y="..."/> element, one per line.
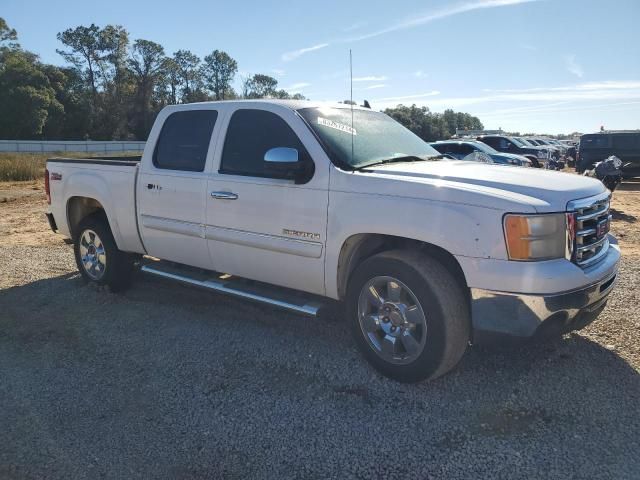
<point x="286" y="299"/>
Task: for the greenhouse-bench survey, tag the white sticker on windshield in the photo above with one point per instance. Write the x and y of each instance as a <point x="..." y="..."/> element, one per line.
<point x="336" y="126"/>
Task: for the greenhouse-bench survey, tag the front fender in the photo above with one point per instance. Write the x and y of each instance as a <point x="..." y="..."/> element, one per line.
<point x="462" y="230"/>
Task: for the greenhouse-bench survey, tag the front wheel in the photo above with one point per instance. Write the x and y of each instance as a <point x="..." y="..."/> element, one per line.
<point x="409" y="315"/>
<point x="97" y="256"/>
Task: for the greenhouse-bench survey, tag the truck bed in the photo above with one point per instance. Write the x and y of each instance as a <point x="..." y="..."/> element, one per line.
<point x="130" y="160"/>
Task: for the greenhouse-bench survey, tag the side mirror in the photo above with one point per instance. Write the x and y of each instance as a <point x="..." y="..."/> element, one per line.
<point x="281" y="155"/>
<point x="284" y="162"/>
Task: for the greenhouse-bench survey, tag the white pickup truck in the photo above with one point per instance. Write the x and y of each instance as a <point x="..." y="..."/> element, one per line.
<point x="295" y="204"/>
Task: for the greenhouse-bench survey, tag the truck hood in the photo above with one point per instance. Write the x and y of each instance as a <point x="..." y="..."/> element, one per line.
<point x="493" y="186"/>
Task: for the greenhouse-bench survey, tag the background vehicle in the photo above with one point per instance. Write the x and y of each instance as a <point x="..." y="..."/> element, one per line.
<point x="554" y="151"/>
<point x="297" y="204"/>
<point x="462" y="149"/>
<point x="502" y="143"/>
<point x="595" y="147"/>
<point x="608" y="171"/>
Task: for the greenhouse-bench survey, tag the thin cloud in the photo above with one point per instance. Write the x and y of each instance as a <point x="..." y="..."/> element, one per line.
<point x="419" y="74"/>
<point x="378" y="85"/>
<point x="412" y="22"/>
<point x="370" y="79"/>
<point x="288" y="56"/>
<point x="297" y="87"/>
<point x="432" y="93"/>
<point x="605" y="107"/>
<point x="573" y="66"/>
<point x="585" y="92"/>
<point x="354" y="26"/>
<point x="445" y="12"/>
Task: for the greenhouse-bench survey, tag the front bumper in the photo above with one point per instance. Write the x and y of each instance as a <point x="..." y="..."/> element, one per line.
<point x="497" y="315"/>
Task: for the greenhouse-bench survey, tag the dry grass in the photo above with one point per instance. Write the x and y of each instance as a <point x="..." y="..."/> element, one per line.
<point x="18" y="167"/>
<point x="15" y="167"/>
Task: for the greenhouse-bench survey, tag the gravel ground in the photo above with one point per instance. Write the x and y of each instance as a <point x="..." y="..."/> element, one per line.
<point x="168" y="382"/>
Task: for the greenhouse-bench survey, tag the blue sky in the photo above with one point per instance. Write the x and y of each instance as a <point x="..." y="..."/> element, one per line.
<point x="550" y="66"/>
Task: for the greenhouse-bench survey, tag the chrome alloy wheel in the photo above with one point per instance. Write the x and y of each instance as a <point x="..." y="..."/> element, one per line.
<point x="92" y="254"/>
<point x="392" y="320"/>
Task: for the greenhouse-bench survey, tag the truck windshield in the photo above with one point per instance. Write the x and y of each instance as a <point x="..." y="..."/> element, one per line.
<point x="376" y="137"/>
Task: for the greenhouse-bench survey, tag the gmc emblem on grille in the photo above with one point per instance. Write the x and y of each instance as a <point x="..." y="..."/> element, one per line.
<point x="603" y="228"/>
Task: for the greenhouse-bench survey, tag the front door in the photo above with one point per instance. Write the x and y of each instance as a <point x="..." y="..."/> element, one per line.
<point x="259" y="227"/>
<point x="172" y="189"/>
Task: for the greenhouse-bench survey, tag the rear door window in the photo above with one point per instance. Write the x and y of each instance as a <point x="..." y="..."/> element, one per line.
<point x="184" y="140"/>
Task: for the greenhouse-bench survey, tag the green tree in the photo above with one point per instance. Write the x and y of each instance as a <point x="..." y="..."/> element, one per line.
<point x="146" y="62"/>
<point x="433" y="126"/>
<point x="26" y="96"/>
<point x="8" y="34"/>
<point x="190" y="76"/>
<point x="169" y="82"/>
<point x="260" y="86"/>
<point x="86" y="51"/>
<point x="117" y="85"/>
<point x="218" y="71"/>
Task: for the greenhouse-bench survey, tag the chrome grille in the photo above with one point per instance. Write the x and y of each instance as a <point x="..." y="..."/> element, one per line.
<point x="592" y="220"/>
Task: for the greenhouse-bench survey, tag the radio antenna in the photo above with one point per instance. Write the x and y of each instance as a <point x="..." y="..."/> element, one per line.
<point x="351" y="101"/>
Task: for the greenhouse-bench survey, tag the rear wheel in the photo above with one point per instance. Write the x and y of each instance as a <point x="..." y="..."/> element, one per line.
<point x="97" y="256"/>
<point x="408" y="315"/>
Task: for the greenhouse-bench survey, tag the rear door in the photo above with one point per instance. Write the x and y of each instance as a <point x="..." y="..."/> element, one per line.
<point x="172" y="187"/>
<point x="264" y="228"/>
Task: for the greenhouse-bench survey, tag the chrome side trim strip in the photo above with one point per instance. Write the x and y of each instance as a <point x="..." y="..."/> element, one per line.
<point x="222" y="287"/>
<point x="172" y="226"/>
<point x="274" y="243"/>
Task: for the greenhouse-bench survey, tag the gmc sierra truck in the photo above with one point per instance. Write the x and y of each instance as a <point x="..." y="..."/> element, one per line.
<point x="299" y="205"/>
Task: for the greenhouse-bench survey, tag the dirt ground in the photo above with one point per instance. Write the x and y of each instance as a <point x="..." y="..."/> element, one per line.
<point x="165" y="381"/>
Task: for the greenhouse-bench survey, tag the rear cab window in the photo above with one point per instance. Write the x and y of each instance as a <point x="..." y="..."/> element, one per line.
<point x="184" y="140"/>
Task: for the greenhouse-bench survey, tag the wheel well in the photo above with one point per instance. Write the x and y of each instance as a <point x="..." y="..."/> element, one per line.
<point x="358" y="248"/>
<point x="79" y="208"/>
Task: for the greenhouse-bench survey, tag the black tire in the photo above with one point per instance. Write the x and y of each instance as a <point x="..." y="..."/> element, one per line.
<point x="118" y="269"/>
<point x="534" y="161"/>
<point x="447" y="318"/>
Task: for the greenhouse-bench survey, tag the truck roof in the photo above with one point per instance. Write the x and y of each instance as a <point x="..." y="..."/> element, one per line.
<point x="291" y="104"/>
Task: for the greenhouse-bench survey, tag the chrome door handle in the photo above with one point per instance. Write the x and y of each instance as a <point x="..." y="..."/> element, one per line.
<point x="224" y="195"/>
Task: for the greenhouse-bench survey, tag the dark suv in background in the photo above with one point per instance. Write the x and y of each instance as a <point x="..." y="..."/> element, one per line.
<point x="595" y="147"/>
<point x="538" y="155"/>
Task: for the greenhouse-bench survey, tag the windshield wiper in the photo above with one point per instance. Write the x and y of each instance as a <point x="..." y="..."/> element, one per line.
<point x="403" y="159"/>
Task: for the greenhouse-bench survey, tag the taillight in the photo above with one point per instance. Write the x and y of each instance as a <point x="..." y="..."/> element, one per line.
<point x="47" y="190"/>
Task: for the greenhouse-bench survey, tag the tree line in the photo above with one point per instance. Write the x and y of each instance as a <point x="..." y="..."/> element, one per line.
<point x="432" y="126"/>
<point x="112" y="88"/>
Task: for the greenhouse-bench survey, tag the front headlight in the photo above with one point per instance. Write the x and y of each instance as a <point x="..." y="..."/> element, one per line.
<point x="535" y="237"/>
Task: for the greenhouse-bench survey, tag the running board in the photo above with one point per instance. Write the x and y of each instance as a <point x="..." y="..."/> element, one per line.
<point x="283" y="298"/>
